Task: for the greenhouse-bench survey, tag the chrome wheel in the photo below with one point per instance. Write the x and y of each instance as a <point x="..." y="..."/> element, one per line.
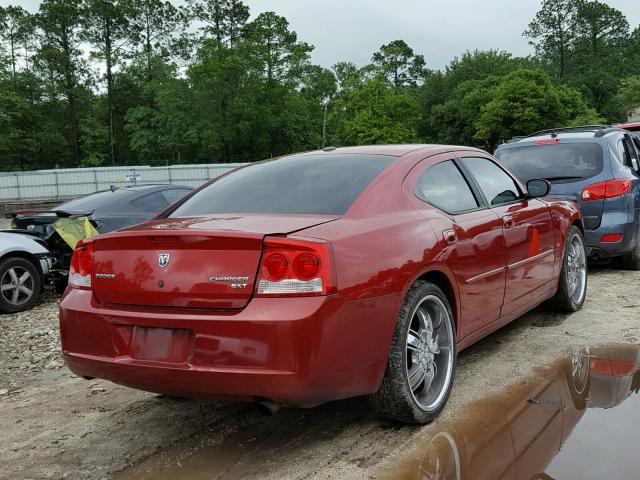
<point x="441" y="460"/>
<point x="576" y="268"/>
<point x="17" y="285"/>
<point x="430" y="350"/>
<point x="580" y="366"/>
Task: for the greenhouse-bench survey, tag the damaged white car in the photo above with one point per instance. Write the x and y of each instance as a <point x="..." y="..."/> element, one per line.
<point x="24" y="271"/>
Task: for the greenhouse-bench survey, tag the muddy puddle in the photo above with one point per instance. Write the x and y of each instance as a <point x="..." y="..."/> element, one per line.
<point x="576" y="419"/>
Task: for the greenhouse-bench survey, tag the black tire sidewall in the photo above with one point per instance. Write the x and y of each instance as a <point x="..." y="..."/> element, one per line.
<point x="395" y="398"/>
<point x="6" y="264"/>
<point x="565" y="261"/>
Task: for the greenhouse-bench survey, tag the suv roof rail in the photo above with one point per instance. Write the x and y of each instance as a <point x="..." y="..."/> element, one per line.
<point x="578" y="128"/>
<point x="605" y="131"/>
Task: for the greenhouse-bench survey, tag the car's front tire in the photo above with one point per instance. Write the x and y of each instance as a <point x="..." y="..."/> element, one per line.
<point x="572" y="284"/>
<point x="20" y="284"/>
<point x="422" y="359"/>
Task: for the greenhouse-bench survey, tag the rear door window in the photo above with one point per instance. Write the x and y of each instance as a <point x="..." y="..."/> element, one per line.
<point x="559" y="162"/>
<point x="496" y="185"/>
<point x="444" y="187"/>
<point x="299" y="184"/>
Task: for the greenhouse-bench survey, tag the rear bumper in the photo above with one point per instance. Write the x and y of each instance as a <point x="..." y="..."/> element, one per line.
<point x="612" y="222"/>
<point x="295" y="351"/>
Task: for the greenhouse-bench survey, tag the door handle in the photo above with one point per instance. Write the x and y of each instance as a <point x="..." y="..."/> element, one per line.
<point x="450" y="236"/>
<point x="508" y="221"/>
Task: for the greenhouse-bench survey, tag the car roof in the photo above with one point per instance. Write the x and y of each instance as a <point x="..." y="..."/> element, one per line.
<point x="398" y="150"/>
<point x="629" y="126"/>
<point x="585" y="132"/>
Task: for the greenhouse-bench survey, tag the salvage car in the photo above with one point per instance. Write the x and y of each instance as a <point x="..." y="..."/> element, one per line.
<point x="322" y="276"/>
<point x="24" y="267"/>
<point x="63" y="225"/>
<point x="599" y="168"/>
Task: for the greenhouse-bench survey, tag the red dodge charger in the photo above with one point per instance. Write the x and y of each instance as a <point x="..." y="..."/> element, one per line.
<point x="321" y="276"/>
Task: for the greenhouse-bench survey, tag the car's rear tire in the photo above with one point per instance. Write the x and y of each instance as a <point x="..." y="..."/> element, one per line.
<point x="20" y="284"/>
<point x="422" y="358"/>
<point x="572" y="285"/>
<point x="631" y="260"/>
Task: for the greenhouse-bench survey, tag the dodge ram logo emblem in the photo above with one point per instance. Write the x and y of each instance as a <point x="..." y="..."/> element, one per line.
<point x="163" y="259"/>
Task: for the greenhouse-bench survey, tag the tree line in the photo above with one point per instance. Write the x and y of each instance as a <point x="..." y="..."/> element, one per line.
<point x="117" y="82"/>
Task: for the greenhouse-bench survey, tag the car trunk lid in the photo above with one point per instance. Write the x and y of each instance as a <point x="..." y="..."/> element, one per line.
<point x="192" y="262"/>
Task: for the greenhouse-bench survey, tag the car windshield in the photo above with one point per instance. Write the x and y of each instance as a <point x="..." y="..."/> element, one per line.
<point x="555" y="162"/>
<point x="304" y="184"/>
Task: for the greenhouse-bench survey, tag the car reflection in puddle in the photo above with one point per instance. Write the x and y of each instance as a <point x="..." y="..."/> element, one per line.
<point x="577" y="419"/>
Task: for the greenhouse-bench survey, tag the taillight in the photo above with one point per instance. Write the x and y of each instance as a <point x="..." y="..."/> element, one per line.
<point x="611" y="238"/>
<point x="81" y="265"/>
<point x="296" y="267"/>
<point x="608" y="189"/>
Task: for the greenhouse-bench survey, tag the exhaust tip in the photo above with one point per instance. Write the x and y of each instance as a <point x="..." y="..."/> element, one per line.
<point x="267" y="407"/>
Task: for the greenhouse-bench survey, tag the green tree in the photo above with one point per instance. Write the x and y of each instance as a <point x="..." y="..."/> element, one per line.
<point x="107" y="27"/>
<point x="526" y="101"/>
<point x="61" y="50"/>
<point x="224" y="20"/>
<point x="399" y="63"/>
<point x="628" y="98"/>
<point x="553" y="31"/>
<point x="153" y="26"/>
<point x="15" y="28"/>
<point x="600" y="27"/>
<point x="450" y="100"/>
<point x="370" y="110"/>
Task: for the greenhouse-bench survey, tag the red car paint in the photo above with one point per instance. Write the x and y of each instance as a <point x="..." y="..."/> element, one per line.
<point x="196" y="338"/>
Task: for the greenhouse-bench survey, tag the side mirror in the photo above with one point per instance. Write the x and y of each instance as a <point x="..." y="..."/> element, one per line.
<point x="538" y="187"/>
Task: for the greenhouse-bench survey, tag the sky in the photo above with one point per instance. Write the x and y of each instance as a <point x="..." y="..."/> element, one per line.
<point x="351" y="30"/>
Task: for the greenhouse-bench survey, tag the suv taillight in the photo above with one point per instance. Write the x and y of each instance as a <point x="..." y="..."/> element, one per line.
<point x="608" y="189"/>
<point x="292" y="267"/>
<point x="81" y="265"/>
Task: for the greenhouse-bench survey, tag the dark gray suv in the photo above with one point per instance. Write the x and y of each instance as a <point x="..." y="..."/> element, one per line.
<point x="599" y="168"/>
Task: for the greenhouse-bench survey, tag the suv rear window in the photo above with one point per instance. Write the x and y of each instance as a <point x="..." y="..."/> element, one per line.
<point x="311" y="184"/>
<point x="557" y="162"/>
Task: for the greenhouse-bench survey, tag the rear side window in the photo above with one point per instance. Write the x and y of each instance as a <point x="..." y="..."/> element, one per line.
<point x="154" y="202"/>
<point x="444" y="187"/>
<point x="568" y="162"/>
<point x="305" y="184"/>
<point x="175" y="194"/>
<point x="498" y="187"/>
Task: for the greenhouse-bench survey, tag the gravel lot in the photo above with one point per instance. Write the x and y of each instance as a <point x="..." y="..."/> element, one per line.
<point x="58" y="426"/>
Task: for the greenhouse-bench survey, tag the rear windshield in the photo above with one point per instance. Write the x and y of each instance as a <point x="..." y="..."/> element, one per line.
<point x="94" y="201"/>
<point x="568" y="162"/>
<point x="313" y="184"/>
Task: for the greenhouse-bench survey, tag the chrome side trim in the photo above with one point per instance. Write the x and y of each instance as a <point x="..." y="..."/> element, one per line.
<point x="485" y="275"/>
<point x="513" y="265"/>
<point x="530" y="259"/>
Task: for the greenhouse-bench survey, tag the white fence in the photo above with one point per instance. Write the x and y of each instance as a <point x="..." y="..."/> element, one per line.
<point x="69" y="183"/>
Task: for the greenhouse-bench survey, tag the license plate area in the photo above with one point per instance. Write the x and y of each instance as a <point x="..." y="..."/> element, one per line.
<point x="168" y="345"/>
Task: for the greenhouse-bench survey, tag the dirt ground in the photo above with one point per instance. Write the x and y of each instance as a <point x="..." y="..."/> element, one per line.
<point x="55" y="425"/>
